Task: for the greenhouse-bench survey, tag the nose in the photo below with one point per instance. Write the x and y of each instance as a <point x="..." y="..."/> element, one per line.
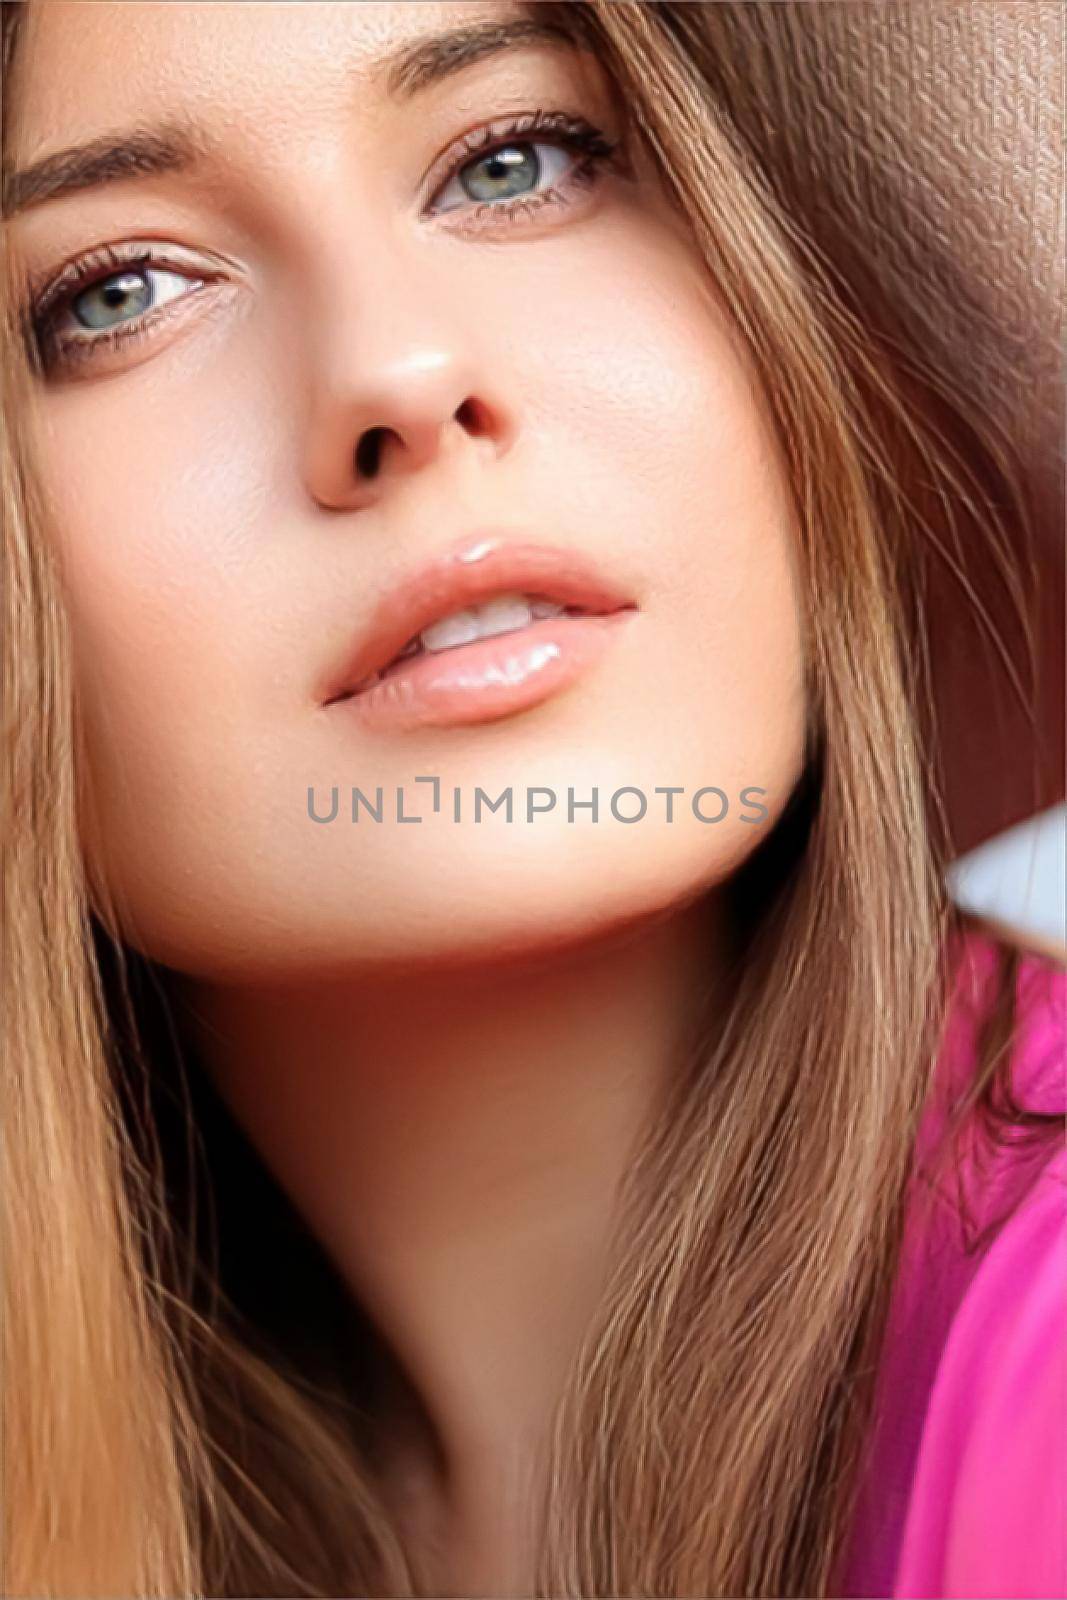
<point x="400" y="392"/>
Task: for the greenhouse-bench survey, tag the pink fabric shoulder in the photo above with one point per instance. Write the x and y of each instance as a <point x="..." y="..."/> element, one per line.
<point x="964" y="1493"/>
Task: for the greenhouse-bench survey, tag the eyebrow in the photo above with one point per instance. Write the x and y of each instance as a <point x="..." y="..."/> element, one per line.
<point x="180" y="147"/>
<point x="414" y="67"/>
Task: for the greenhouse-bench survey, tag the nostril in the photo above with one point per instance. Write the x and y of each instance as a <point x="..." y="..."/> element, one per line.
<point x="472" y="416"/>
<point x="369" y="452"/>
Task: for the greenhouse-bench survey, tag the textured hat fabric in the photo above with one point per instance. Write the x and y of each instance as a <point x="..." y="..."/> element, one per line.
<point x="932" y="131"/>
<point x="922" y="144"/>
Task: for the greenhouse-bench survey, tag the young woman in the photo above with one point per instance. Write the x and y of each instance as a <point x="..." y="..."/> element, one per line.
<point x="646" y="1184"/>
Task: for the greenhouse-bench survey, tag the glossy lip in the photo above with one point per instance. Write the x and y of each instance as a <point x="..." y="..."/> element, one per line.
<point x="473" y="571"/>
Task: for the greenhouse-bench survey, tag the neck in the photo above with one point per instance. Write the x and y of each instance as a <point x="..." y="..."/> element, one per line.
<point x="457" y="1141"/>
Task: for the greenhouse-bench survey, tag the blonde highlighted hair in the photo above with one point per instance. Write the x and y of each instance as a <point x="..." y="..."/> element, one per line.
<point x="161" y="1441"/>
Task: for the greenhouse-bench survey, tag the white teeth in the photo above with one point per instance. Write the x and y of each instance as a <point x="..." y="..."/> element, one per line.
<point x="502" y="614"/>
<point x="459" y="628"/>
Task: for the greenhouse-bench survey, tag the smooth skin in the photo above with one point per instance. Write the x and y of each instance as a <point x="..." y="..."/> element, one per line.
<point x="443" y="1038"/>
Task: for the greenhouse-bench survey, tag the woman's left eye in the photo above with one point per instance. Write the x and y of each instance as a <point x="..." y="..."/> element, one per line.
<point x="507" y="172"/>
<point x="517" y="168"/>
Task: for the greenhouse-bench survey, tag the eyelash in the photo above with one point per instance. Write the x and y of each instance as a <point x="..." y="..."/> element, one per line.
<point x="591" y="148"/>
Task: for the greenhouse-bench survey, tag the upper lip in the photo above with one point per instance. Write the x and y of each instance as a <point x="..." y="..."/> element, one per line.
<point x="475" y="570"/>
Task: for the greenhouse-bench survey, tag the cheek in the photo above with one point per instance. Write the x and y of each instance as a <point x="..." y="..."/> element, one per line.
<point x="646" y="406"/>
<point x="677" y="440"/>
<point x="156" y="501"/>
<point x="669" y="447"/>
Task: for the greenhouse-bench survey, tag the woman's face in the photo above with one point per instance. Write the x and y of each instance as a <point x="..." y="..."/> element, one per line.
<point x="340" y="345"/>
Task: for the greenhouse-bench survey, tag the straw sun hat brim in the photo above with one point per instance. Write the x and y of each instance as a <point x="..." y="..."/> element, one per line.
<point x="926" y="137"/>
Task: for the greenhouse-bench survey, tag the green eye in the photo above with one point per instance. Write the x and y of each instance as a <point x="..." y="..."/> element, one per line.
<point x="104" y="302"/>
<point x="124" y="296"/>
<point x="524" y="167"/>
<point x="511" y="170"/>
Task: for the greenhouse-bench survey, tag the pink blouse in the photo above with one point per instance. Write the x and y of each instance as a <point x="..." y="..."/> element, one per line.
<point x="965" y="1489"/>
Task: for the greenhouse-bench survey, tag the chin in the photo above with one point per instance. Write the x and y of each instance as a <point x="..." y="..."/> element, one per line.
<point x="269" y="895"/>
<point x="472" y="902"/>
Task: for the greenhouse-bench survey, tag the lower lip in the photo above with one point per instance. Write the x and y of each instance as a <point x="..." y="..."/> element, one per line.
<point x="490" y="678"/>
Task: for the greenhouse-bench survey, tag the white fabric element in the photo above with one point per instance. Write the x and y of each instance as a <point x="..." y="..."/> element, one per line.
<point x="1019" y="877"/>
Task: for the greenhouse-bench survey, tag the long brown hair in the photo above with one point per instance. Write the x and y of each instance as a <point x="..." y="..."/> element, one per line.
<point x="168" y="1432"/>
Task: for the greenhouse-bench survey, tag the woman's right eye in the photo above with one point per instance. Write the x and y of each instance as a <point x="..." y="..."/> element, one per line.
<point x="110" y="295"/>
<point x="122" y="297"/>
<point x="115" y="301"/>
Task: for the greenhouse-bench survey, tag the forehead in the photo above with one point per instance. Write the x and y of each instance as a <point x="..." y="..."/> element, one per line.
<point x="88" y="68"/>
